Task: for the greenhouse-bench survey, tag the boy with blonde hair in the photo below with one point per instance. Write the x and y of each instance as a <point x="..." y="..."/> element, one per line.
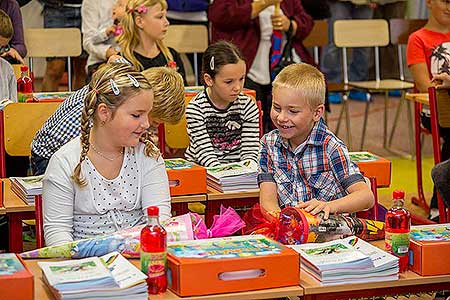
<point x="8" y="83"/>
<point x="302" y="163"/>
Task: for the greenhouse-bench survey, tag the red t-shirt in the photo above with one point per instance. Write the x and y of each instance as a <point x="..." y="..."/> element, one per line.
<point x="430" y="47"/>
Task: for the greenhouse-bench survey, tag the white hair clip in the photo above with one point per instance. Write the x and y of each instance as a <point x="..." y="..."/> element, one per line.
<point x="211" y="63"/>
<point x="114" y="87"/>
<point x="133" y="81"/>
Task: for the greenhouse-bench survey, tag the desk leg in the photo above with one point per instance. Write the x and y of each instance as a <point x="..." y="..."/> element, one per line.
<point x="15" y="230"/>
<point x="239" y="205"/>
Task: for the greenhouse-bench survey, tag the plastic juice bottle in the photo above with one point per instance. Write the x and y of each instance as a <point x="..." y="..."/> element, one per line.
<point x="397" y="228"/>
<point x="24" y="85"/>
<point x="153" y="252"/>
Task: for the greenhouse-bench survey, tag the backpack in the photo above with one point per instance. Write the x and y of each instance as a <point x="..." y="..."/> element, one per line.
<point x="188" y="5"/>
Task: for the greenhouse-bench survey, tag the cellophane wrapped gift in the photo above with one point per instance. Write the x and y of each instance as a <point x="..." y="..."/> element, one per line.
<point x="296" y="226"/>
<point x="127" y="242"/>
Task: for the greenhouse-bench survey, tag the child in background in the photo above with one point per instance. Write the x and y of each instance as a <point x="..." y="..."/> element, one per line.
<point x="144" y="27"/>
<point x="100" y="23"/>
<point x="426" y="56"/>
<point x="8" y="81"/>
<point x="302" y="163"/>
<point x="17" y="49"/>
<point x="104" y="180"/>
<point x="222" y="123"/>
<point x="64" y="124"/>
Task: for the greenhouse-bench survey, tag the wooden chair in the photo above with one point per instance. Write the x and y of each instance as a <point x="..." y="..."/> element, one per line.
<point x="372" y="213"/>
<point x="399" y="30"/>
<point x="188" y="39"/>
<point x="39" y="228"/>
<point x="367" y="33"/>
<point x="439" y="116"/>
<point x="318" y="37"/>
<point x="19" y="122"/>
<point x="53" y="42"/>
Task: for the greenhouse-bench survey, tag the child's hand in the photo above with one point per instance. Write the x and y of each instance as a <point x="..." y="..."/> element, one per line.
<point x="110" y="30"/>
<point x="111" y="52"/>
<point x="14" y="54"/>
<point x="113" y="58"/>
<point x="315" y="206"/>
<point x="441" y="81"/>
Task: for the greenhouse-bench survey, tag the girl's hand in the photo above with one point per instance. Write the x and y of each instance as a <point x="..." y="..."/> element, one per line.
<point x="14" y="54"/>
<point x="110" y="30"/>
<point x="315" y="206"/>
<point x="280" y="22"/>
<point x="441" y="81"/>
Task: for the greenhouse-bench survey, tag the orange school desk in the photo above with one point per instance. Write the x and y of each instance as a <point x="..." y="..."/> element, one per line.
<point x="17" y="210"/>
<point x="42" y="292"/>
<point x="409" y="282"/>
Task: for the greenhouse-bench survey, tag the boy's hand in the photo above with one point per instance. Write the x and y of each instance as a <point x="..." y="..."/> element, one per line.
<point x="14" y="54"/>
<point x="441" y="81"/>
<point x="110" y="30"/>
<point x="315" y="206"/>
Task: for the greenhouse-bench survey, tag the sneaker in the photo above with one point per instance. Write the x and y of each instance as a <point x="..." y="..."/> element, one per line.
<point x="395" y="93"/>
<point x="335" y="98"/>
<point x="358" y="95"/>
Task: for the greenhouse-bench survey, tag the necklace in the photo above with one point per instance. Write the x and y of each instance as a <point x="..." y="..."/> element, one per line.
<point x="106" y="157"/>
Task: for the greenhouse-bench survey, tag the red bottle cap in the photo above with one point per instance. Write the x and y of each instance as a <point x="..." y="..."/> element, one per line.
<point x="397" y="194"/>
<point x="153" y="211"/>
<point x="23" y="68"/>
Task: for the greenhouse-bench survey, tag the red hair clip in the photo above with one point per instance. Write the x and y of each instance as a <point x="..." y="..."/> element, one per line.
<point x="142" y="9"/>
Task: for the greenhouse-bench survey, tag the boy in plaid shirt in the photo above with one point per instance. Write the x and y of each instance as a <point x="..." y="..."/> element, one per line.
<point x="302" y="163"/>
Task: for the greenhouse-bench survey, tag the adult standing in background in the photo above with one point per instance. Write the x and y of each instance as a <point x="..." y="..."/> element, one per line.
<point x="17" y="49"/>
<point x="249" y="25"/>
<point x="62" y="14"/>
<point x="331" y="58"/>
<point x="389" y="9"/>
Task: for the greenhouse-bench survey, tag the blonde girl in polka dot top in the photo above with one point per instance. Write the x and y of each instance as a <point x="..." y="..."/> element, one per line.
<point x="104" y="180"/>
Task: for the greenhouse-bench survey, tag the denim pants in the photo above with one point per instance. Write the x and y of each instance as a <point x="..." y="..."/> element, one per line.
<point x="331" y="62"/>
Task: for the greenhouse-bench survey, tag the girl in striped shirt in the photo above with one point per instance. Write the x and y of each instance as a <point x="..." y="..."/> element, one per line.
<point x="222" y="122"/>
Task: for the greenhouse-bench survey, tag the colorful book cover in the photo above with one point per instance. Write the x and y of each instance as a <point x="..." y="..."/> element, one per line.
<point x="230" y="247"/>
<point x="432" y="233"/>
<point x="9" y="264"/>
<point x="178" y="164"/>
<point x="362" y="157"/>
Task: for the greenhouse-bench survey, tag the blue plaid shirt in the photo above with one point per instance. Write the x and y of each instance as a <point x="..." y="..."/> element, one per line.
<point x="61" y="127"/>
<point x="319" y="168"/>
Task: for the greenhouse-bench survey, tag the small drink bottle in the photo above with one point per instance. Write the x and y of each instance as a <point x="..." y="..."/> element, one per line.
<point x="397" y="228"/>
<point x="153" y="252"/>
<point x="24" y="85"/>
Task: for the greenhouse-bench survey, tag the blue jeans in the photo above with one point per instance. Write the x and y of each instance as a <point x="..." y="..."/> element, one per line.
<point x="331" y="63"/>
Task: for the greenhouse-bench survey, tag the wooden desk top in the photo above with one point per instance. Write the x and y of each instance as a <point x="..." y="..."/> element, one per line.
<point x="418" y="97"/>
<point x="11" y="201"/>
<point x="409" y="278"/>
<point x="42" y="292"/>
<point x="216" y="195"/>
<point x="2" y="210"/>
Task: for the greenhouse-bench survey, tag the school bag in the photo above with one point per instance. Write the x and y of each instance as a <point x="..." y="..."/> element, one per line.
<point x="188" y="5"/>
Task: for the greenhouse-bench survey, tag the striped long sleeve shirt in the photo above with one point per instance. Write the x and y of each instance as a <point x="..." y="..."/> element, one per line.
<point x="218" y="136"/>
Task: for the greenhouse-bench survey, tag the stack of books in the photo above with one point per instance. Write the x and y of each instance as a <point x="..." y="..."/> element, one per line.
<point x="349" y="260"/>
<point x="233" y="177"/>
<point x="27" y="187"/>
<point x="110" y="276"/>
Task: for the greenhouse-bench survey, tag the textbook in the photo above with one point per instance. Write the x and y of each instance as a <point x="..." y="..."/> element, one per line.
<point x="27" y="187"/>
<point x="237" y="176"/>
<point x="16" y="281"/>
<point x="110" y="276"/>
<point x="349" y="260"/>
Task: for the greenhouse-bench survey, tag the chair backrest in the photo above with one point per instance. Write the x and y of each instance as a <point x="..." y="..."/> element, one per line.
<point x="361" y="33"/>
<point x="439" y="116"/>
<point x="53" y="42"/>
<point x="188" y="39"/>
<point x="40" y="242"/>
<point x="399" y="31"/>
<point x="318" y="37"/>
<point x="19" y="122"/>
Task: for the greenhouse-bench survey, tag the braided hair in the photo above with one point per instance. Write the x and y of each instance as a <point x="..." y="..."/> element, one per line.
<point x="112" y="84"/>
